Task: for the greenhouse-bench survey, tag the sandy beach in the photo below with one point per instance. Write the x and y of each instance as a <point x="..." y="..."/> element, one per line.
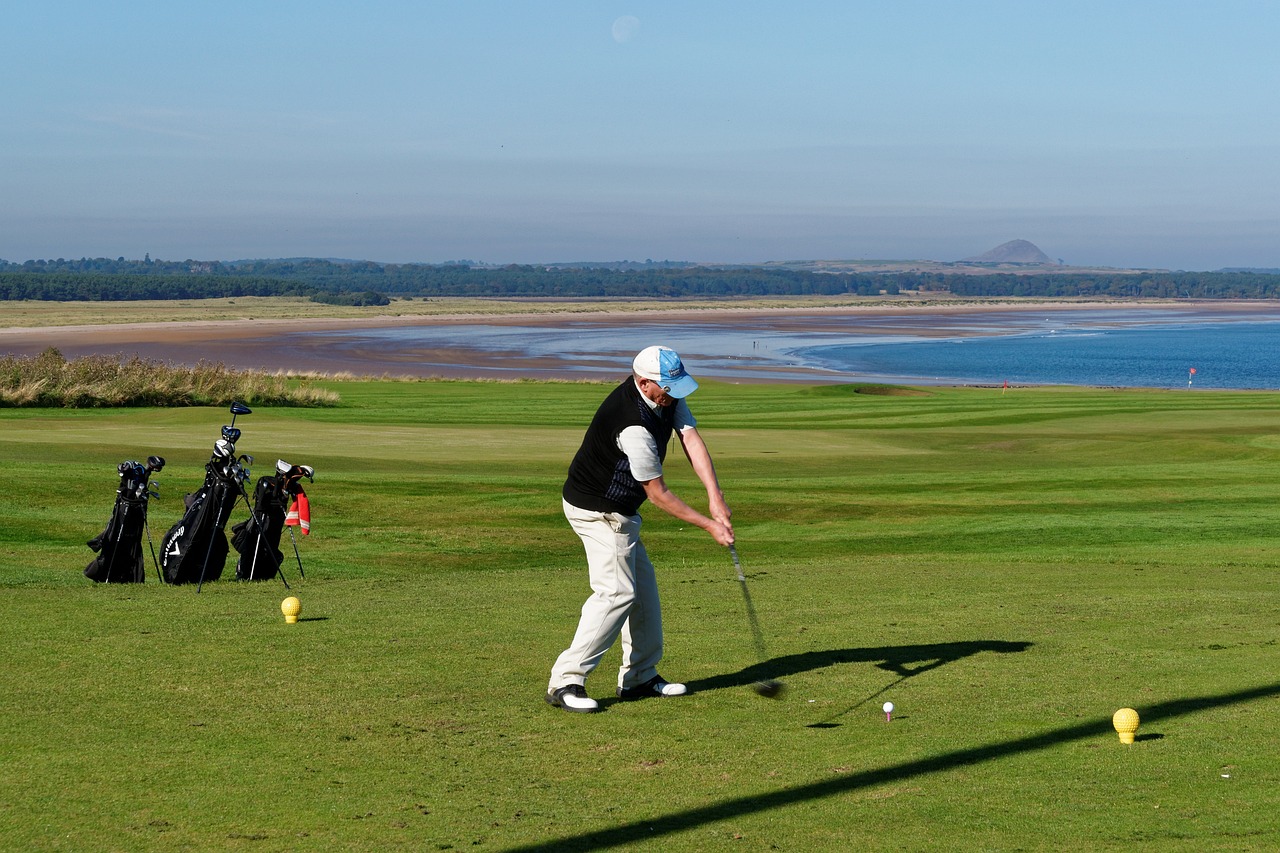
<point x="448" y="347"/>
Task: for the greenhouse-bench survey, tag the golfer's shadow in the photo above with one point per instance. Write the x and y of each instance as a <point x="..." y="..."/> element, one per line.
<point x="903" y="661"/>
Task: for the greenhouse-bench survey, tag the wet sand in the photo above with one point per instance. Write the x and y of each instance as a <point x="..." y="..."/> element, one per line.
<point x="324" y="345"/>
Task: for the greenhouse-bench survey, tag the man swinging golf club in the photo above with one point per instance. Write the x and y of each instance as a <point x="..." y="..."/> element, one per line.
<point x="617" y="468"/>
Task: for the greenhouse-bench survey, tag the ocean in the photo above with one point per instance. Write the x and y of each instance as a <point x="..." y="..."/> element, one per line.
<point x="1141" y="348"/>
<point x="1238" y="355"/>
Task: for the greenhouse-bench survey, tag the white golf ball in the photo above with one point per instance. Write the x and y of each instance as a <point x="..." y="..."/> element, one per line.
<point x="888" y="707"/>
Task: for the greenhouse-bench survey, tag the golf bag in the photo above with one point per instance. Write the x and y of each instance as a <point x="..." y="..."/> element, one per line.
<point x="195" y="549"/>
<point x="257" y="538"/>
<point x="119" y="547"/>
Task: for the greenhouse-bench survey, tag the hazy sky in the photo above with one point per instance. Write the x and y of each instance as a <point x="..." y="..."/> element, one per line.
<point x="1113" y="133"/>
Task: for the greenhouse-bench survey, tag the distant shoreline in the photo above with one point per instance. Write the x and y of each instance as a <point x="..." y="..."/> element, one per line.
<point x="263" y="343"/>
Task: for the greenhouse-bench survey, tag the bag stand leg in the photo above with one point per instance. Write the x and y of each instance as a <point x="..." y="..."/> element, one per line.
<point x="258" y="523"/>
<point x="294" y="540"/>
<point x="115" y="548"/>
<point x="152" y="546"/>
<point x="257" y="546"/>
<point x="217" y="525"/>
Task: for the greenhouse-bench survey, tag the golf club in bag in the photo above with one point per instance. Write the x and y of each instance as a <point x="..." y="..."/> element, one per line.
<point x="257" y="538"/>
<point x="195" y="549"/>
<point x="119" y="546"/>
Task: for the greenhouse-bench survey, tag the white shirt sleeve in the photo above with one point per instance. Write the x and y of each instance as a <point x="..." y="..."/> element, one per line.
<point x="642" y="452"/>
<point x="642" y="449"/>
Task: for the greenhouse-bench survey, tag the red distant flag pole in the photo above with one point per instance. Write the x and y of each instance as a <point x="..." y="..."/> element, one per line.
<point x="1190" y="374"/>
<point x="1006" y="386"/>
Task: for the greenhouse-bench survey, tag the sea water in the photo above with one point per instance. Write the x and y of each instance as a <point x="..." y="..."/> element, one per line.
<point x="1239" y="355"/>
<point x="1122" y="348"/>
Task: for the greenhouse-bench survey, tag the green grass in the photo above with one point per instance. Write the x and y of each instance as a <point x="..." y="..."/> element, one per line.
<point x="1007" y="568"/>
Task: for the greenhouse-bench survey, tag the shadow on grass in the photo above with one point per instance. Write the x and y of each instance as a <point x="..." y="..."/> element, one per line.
<point x="660" y="825"/>
<point x="903" y="661"/>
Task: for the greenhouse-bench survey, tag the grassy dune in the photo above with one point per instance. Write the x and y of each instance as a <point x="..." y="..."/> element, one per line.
<point x="1007" y="568"/>
<point x="34" y="313"/>
<point x="50" y="380"/>
<point x="22" y="314"/>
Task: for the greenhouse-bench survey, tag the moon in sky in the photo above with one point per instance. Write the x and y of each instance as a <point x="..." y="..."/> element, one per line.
<point x="625" y="28"/>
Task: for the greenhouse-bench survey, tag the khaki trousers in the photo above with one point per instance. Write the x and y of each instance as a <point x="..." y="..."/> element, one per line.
<point x="623" y="602"/>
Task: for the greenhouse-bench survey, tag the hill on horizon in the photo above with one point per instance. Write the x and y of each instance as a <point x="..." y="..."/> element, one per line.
<point x="1013" y="252"/>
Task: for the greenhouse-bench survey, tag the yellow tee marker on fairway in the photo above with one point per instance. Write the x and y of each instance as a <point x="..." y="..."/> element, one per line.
<point x="291" y="607"/>
<point x="1126" y="722"/>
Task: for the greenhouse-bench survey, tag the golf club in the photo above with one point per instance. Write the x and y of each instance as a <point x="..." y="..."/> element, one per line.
<point x="769" y="688"/>
<point x="224" y="449"/>
<point x="243" y="476"/>
<point x="297" y="556"/>
<point x="238" y="408"/>
<point x="119" y="547"/>
<point x="154" y="463"/>
<point x="292" y="474"/>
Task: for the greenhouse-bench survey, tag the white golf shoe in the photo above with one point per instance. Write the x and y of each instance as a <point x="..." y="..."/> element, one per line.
<point x="572" y="697"/>
<point x="655" y="686"/>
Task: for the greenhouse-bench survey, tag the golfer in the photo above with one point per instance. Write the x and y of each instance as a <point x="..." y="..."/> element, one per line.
<point x="617" y="468"/>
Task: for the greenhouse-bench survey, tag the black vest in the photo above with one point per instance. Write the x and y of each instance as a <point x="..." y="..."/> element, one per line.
<point x="600" y="474"/>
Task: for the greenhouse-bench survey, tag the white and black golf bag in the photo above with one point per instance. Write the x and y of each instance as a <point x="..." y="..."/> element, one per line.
<point x="195" y="549"/>
<point x="257" y="538"/>
<point x="119" y="547"/>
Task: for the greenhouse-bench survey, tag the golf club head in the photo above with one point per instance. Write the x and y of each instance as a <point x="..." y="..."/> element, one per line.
<point x="294" y="472"/>
<point x="231" y="434"/>
<point x="769" y="688"/>
<point x="155" y="463"/>
<point x="223" y="449"/>
<point x="237" y="409"/>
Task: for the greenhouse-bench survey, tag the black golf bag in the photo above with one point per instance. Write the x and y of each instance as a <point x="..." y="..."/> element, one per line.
<point x="257" y="538"/>
<point x="119" y="546"/>
<point x="195" y="549"/>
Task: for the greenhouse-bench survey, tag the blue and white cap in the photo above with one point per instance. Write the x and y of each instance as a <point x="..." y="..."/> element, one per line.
<point x="662" y="365"/>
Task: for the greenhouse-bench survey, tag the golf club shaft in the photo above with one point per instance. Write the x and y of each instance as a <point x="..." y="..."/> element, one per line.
<point x="257" y="523"/>
<point x="756" y="635"/>
<point x="217" y="525"/>
<point x="294" y="540"/>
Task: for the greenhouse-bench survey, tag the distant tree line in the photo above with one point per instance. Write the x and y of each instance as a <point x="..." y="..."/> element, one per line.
<point x="119" y="287"/>
<point x="1174" y="285"/>
<point x="368" y="283"/>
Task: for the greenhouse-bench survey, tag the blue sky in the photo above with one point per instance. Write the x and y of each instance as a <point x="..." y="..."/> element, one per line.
<point x="1110" y="133"/>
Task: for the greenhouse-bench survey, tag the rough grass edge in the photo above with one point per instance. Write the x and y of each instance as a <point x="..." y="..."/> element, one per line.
<point x="49" y="380"/>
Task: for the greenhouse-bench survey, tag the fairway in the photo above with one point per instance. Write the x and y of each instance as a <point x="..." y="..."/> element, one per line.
<point x="1008" y="568"/>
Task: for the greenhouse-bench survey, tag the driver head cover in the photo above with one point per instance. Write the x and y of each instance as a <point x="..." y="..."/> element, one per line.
<point x="663" y="365"/>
